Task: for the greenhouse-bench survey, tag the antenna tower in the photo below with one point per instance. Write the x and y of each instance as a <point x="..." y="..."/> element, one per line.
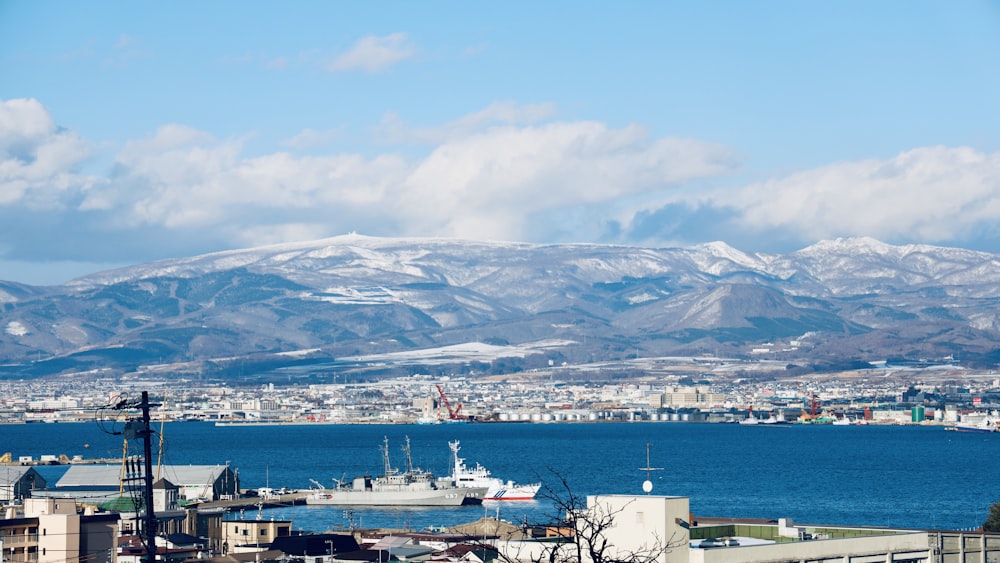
<point x="647" y="485"/>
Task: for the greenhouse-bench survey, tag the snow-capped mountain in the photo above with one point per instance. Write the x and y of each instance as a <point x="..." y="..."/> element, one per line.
<point x="353" y="295"/>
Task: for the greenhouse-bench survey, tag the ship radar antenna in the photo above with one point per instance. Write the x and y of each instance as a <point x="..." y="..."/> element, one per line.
<point x="647" y="485"/>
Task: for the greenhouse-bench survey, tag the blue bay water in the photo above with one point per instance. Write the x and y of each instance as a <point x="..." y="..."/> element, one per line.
<point x="898" y="476"/>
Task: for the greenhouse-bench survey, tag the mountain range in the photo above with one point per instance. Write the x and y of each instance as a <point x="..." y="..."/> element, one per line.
<point x="337" y="303"/>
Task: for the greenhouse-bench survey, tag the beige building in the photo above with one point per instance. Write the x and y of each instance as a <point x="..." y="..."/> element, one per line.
<point x="51" y="531"/>
<point x="242" y="536"/>
<point x="686" y="397"/>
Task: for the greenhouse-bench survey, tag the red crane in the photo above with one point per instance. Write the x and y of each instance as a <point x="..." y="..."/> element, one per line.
<point x="455" y="414"/>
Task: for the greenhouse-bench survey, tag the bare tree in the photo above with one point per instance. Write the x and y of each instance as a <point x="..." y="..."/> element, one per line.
<point x="579" y="534"/>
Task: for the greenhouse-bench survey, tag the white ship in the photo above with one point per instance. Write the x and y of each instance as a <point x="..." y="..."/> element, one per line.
<point x="988" y="424"/>
<point x="479" y="476"/>
<point x="412" y="487"/>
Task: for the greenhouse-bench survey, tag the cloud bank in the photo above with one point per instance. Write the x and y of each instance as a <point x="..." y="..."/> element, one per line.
<point x="509" y="171"/>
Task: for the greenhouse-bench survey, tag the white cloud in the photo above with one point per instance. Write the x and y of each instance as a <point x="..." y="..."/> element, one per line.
<point x="488" y="185"/>
<point x="310" y="138"/>
<point x="484" y="183"/>
<point x="392" y="129"/>
<point x="373" y="54"/>
<point x="927" y="194"/>
<point x="498" y="173"/>
<point x="37" y="160"/>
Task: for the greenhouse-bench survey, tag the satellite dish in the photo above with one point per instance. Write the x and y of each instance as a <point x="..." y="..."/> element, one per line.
<point x="647" y="486"/>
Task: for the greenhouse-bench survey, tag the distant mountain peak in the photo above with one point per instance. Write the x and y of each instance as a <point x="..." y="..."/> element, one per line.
<point x="724" y="250"/>
<point x="855" y="245"/>
<point x="355" y="295"/>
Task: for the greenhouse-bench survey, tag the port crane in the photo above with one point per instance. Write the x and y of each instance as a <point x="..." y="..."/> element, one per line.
<point x="813" y="412"/>
<point x="453" y="414"/>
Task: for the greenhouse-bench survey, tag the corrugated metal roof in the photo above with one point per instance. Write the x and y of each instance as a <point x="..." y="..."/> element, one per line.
<point x="192" y="474"/>
<point x="12" y="474"/>
<point x="110" y="475"/>
<point x="88" y="475"/>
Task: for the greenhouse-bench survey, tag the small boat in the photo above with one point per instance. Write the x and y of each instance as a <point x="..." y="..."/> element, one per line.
<point x="413" y="487"/>
<point x="479" y="476"/>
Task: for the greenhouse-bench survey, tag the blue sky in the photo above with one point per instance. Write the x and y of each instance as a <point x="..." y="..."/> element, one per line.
<point x="131" y="132"/>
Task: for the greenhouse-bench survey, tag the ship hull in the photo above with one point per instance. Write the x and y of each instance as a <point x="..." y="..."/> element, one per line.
<point x="431" y="497"/>
<point x="517" y="492"/>
<point x="975" y="429"/>
<point x="478" y="476"/>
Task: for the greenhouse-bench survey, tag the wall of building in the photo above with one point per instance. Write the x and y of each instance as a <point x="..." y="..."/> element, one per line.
<point x="34" y="507"/>
<point x="99" y="538"/>
<point x="872" y="549"/>
<point x="651" y="525"/>
<point x="965" y="547"/>
<point x="58" y="538"/>
<point x="246" y="535"/>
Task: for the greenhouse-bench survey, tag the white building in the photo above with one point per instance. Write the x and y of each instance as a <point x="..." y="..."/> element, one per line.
<point x="658" y="528"/>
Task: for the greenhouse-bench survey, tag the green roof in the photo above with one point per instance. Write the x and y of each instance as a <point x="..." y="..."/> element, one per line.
<point x="119" y="504"/>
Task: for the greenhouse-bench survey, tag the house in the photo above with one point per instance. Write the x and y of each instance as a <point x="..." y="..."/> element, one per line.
<point x="242" y="536"/>
<point x="164" y="495"/>
<point x="315" y="548"/>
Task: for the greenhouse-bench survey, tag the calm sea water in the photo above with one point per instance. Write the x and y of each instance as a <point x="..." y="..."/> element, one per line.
<point x="896" y="476"/>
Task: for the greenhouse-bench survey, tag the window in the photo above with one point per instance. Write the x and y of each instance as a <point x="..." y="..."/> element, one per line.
<point x="639" y="517"/>
<point x="263" y="532"/>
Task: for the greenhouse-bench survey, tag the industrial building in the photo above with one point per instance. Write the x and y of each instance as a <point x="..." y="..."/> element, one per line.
<point x="97" y="484"/>
<point x="18" y="482"/>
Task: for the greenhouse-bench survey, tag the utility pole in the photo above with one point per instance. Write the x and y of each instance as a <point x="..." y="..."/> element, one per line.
<point x="147" y="453"/>
<point x="135" y="430"/>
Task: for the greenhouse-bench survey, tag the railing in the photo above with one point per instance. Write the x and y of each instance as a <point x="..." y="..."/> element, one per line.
<point x="18" y="540"/>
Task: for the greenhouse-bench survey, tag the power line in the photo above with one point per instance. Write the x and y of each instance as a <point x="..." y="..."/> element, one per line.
<point x="137" y="427"/>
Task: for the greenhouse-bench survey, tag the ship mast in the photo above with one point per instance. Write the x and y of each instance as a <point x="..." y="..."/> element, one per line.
<point x="409" y="460"/>
<point x="385" y="457"/>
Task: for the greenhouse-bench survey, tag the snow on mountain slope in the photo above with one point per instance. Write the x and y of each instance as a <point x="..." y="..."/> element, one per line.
<point x="356" y="295"/>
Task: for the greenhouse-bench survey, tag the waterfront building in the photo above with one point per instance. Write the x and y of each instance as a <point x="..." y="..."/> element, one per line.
<point x="101" y="483"/>
<point x="18" y="482"/>
<point x="686" y="397"/>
